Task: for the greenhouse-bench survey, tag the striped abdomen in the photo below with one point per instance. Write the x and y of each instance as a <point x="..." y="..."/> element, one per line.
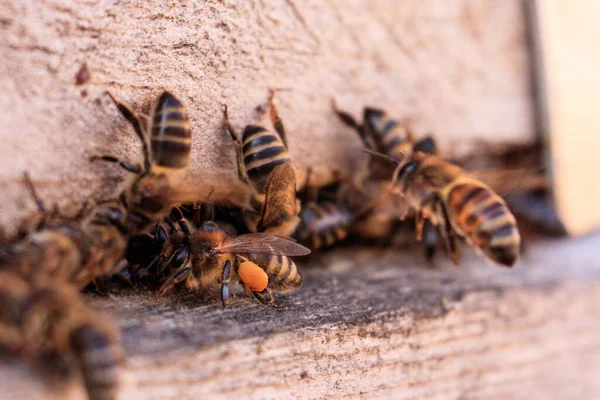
<point x="262" y="152"/>
<point x="323" y="225"/>
<point x="281" y="270"/>
<point x="392" y="138"/>
<point x="170" y="133"/>
<point x="99" y="354"/>
<point x="484" y="218"/>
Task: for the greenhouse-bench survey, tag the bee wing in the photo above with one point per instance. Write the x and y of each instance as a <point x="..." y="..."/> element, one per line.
<point x="280" y="196"/>
<point x="507" y="181"/>
<point x="263" y="243"/>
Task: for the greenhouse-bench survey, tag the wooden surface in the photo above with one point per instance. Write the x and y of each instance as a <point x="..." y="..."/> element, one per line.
<point x="373" y="324"/>
<point x="571" y="60"/>
<point x="458" y="68"/>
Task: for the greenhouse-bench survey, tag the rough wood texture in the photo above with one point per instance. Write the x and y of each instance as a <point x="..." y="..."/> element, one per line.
<point x="380" y="326"/>
<point x="458" y="68"/>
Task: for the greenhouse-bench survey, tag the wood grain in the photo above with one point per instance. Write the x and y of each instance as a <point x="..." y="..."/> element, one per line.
<point x="372" y="324"/>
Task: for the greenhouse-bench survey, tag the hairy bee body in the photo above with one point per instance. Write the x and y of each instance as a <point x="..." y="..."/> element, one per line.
<point x="281" y="270"/>
<point x="71" y="253"/>
<point x="323" y="224"/>
<point x="69" y="250"/>
<point x="390" y="136"/>
<point x="216" y="256"/>
<point x="42" y="314"/>
<point x="263" y="162"/>
<point x="80" y="251"/>
<point x="146" y="196"/>
<point x="482" y="216"/>
<point x="262" y="151"/>
<point x="444" y="194"/>
<point x="170" y="134"/>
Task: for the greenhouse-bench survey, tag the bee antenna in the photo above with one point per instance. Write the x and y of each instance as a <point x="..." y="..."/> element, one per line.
<point x="33" y="193"/>
<point x="383" y="156"/>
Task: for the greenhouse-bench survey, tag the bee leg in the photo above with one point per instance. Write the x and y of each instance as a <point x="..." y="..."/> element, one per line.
<point x="350" y="121"/>
<point x="29" y="185"/>
<point x="241" y="169"/>
<point x="177" y="277"/>
<point x="139" y="123"/>
<point x="447" y="234"/>
<point x="430" y="239"/>
<point x="225" y="278"/>
<point x="266" y="298"/>
<point x="126" y="165"/>
<point x="126" y="274"/>
<point x="419" y="223"/>
<point x="178" y="259"/>
<point x="275" y="120"/>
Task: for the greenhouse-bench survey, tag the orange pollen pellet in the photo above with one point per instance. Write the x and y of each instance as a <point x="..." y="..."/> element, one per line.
<point x="253" y="276"/>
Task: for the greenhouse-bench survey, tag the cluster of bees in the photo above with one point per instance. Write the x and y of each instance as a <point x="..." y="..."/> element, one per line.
<point x="151" y="232"/>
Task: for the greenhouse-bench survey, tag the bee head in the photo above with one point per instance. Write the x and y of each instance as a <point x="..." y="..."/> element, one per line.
<point x="207" y="239"/>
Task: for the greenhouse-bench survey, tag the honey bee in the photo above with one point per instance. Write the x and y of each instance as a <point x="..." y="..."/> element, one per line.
<point x="264" y="164"/>
<point x="171" y="236"/>
<point x="42" y="315"/>
<point x="517" y="173"/>
<point x="75" y="252"/>
<point x="380" y="133"/>
<point x="322" y="222"/>
<point x="260" y="261"/>
<point x="80" y="251"/>
<point x="458" y="205"/>
<point x="150" y="195"/>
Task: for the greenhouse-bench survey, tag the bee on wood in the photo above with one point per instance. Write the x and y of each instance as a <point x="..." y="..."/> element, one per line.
<point x="517" y="173"/>
<point x="380" y="133"/>
<point x="458" y="205"/>
<point x="260" y="261"/>
<point x="80" y="251"/>
<point x="264" y="164"/>
<point x="65" y="248"/>
<point x="76" y="252"/>
<point x="149" y="195"/>
<point x="44" y="315"/>
<point x="323" y="222"/>
<point x="170" y="237"/>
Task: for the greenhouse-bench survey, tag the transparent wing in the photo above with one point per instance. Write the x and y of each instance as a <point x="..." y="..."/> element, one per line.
<point x="280" y="198"/>
<point x="507" y="181"/>
<point x="263" y="243"/>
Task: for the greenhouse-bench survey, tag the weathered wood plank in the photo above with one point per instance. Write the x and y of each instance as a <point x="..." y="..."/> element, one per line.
<point x="375" y="324"/>
<point x="459" y="68"/>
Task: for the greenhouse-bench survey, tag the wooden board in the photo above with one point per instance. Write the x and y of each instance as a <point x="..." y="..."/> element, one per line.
<point x="371" y="324"/>
<point x="458" y="68"/>
<point x="571" y="60"/>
